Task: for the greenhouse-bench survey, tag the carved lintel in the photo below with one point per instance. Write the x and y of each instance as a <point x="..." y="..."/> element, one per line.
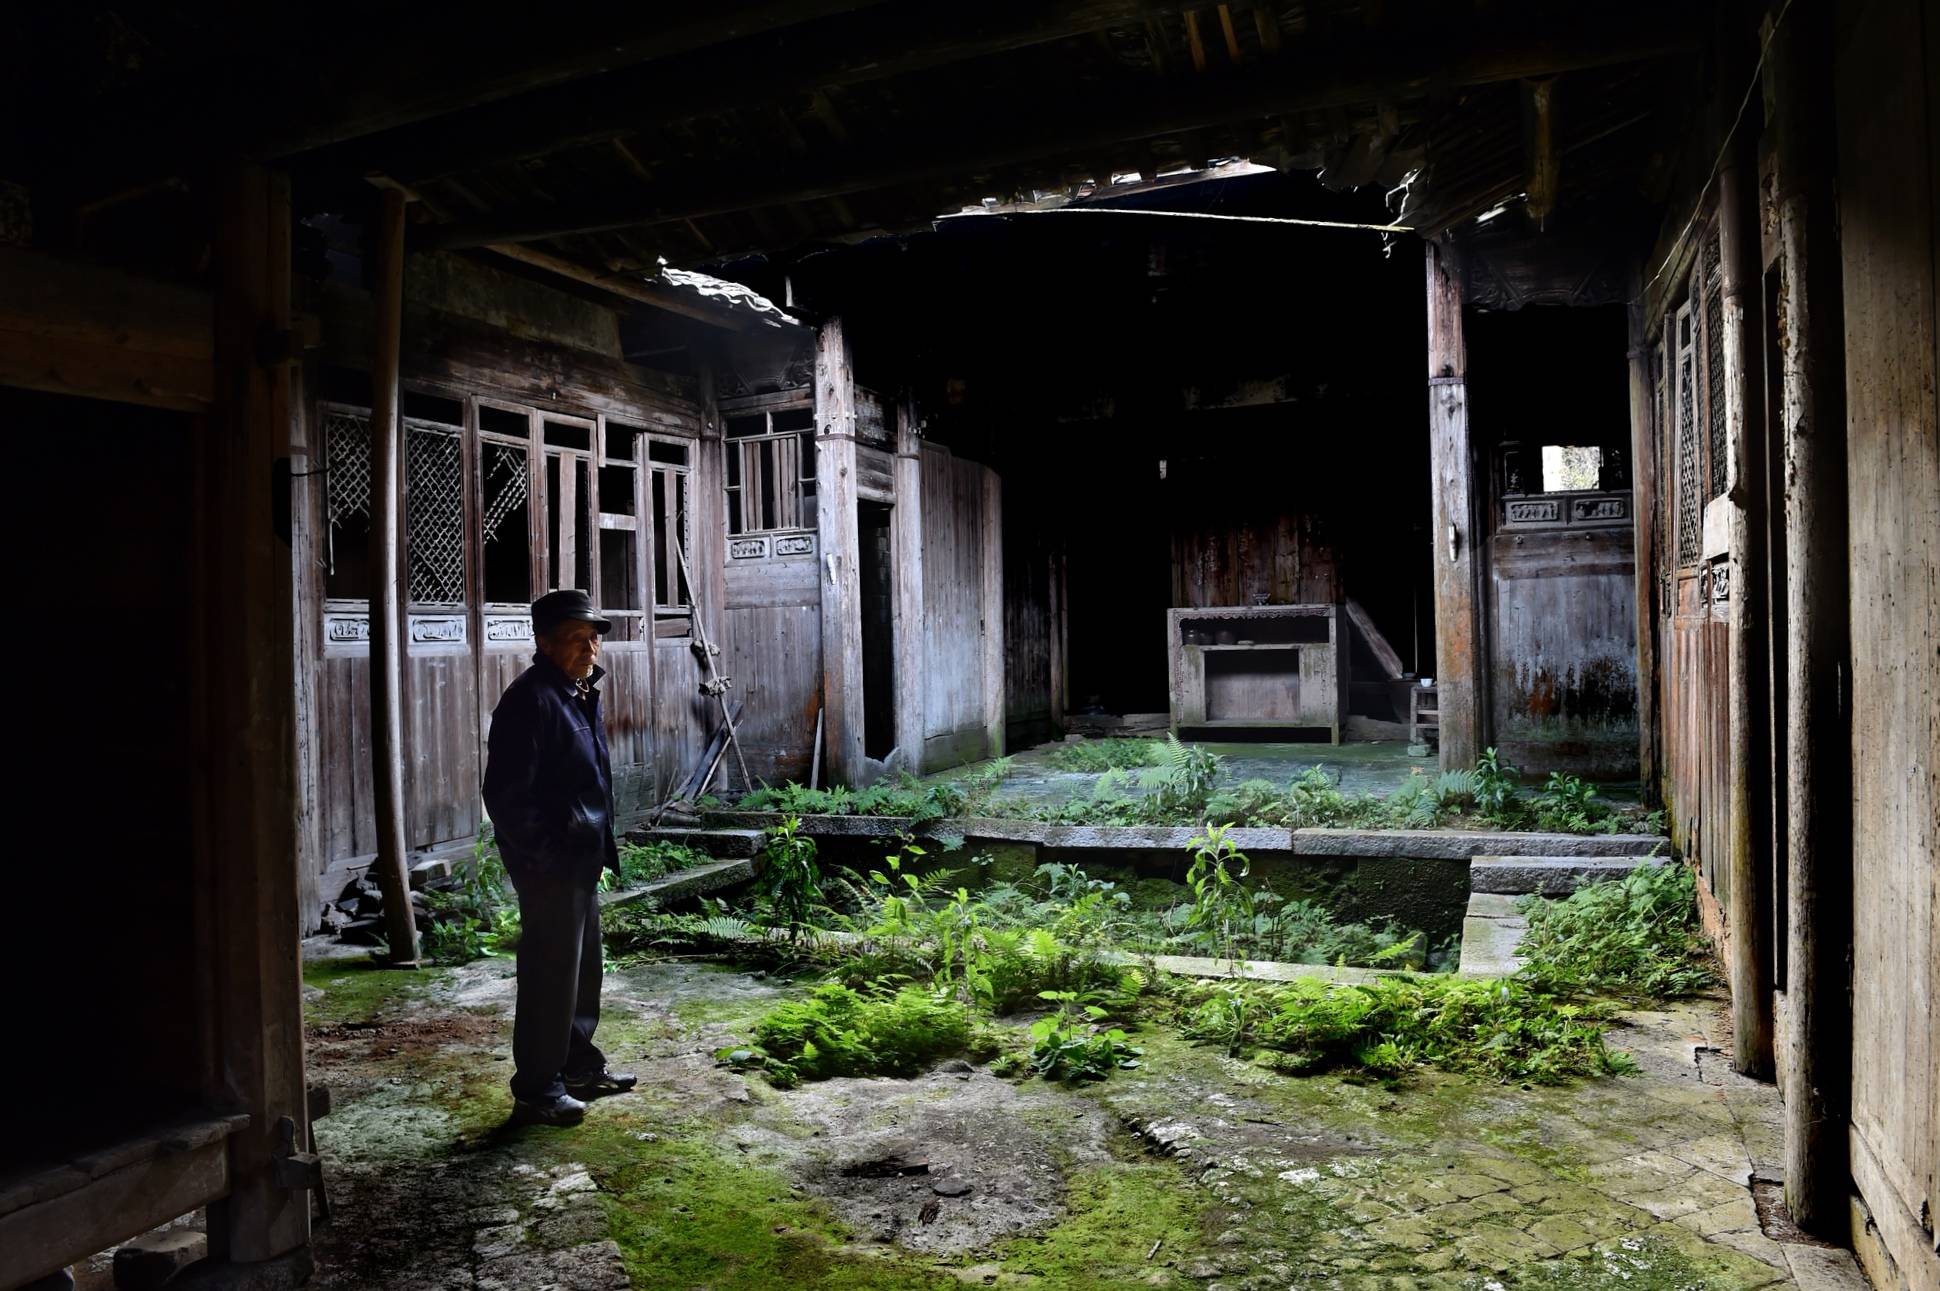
<point x="1535" y="511"/>
<point x="437" y="629"/>
<point x="508" y="628"/>
<point x="346" y="629"/>
<point x="1592" y="509"/>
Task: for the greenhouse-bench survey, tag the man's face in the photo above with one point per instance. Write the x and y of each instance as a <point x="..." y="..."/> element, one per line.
<point x="573" y="647"/>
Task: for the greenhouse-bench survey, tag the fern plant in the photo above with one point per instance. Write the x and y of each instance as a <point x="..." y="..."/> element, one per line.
<point x="1182" y="779"/>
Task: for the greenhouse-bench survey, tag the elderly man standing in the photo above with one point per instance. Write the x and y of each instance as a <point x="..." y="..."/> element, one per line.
<point x="549" y="789"/>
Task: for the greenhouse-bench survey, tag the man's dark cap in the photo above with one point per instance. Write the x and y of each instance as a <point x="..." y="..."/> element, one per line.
<point x="554" y="608"/>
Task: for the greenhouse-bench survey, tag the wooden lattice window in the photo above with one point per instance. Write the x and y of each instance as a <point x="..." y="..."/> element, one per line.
<point x="771" y="471"/>
<point x="505" y="503"/>
<point x="434" y="512"/>
<point x="619" y="554"/>
<point x="1687" y="441"/>
<point x="1714" y="384"/>
<point x="345" y="437"/>
<point x="568" y="448"/>
<point x="669" y="504"/>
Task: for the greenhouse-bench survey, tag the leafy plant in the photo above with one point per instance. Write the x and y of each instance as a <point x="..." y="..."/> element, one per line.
<point x="1222" y="904"/>
<point x="471" y="914"/>
<point x="1495" y="783"/>
<point x="1568" y="805"/>
<point x="1226" y="1018"/>
<point x="1071" y="1048"/>
<point x="1636" y="937"/>
<point x="790" y="879"/>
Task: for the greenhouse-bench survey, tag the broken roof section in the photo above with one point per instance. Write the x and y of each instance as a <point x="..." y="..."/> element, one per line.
<point x="744" y="304"/>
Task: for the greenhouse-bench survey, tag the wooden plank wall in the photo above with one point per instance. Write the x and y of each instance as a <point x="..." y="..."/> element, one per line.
<point x="1224" y="560"/>
<point x="955" y="616"/>
<point x="1697" y="735"/>
<point x="1889" y="123"/>
<point x="1562" y="649"/>
<point x="656" y="720"/>
<point x="774" y="653"/>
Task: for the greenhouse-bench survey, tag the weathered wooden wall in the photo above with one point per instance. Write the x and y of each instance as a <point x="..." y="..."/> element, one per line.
<point x="1562" y="648"/>
<point x="460" y="345"/>
<point x="961" y="616"/>
<point x="1889" y="130"/>
<point x="1222" y="559"/>
<point x="1697" y="720"/>
<point x="774" y="635"/>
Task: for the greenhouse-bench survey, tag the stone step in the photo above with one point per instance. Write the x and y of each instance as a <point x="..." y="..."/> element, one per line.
<point x="720" y="843"/>
<point x="1461" y="844"/>
<point x="1550" y="876"/>
<point x="1491" y="930"/>
<point x="686" y="885"/>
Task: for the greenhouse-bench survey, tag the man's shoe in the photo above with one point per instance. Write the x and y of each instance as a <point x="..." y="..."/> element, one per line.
<point x="563" y="1110"/>
<point x="600" y="1084"/>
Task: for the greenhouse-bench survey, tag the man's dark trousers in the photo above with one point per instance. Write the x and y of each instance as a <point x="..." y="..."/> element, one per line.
<point x="559" y="986"/>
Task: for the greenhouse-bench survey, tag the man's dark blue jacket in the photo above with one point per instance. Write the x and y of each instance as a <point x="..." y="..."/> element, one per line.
<point x="548" y="780"/>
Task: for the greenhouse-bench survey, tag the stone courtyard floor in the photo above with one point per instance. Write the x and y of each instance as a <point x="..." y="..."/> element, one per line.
<point x="1193" y="1171"/>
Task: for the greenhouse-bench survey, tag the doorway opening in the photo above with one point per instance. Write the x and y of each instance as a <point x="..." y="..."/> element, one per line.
<point x="878" y="598"/>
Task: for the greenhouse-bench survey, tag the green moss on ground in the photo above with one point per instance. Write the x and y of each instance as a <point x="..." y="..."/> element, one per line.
<point x="1118" y="1212"/>
<point x="360" y="990"/>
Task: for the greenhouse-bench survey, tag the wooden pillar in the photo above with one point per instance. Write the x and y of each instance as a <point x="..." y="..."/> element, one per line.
<point x="1059" y="637"/>
<point x="1817" y="1058"/>
<point x="993" y="613"/>
<point x="247" y="724"/>
<point x="835" y="492"/>
<point x="1459" y="647"/>
<point x="1644" y="487"/>
<point x="306" y="541"/>
<point x="1750" y="893"/>
<point x="907" y="558"/>
<point x="386" y="604"/>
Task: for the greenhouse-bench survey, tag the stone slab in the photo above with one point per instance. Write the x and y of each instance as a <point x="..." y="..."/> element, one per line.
<point x="687" y="884"/>
<point x="1491" y="931"/>
<point x="1463" y="844"/>
<point x="1420" y="844"/>
<point x="1550" y="876"/>
<point x="722" y="844"/>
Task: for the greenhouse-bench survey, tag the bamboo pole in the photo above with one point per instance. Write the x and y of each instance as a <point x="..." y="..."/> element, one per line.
<point x="386" y="607"/>
<point x="714" y="685"/>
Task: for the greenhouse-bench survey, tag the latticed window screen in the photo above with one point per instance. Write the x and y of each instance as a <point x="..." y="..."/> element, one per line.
<point x="505" y="521"/>
<point x="1689" y="518"/>
<point x="506" y="485"/>
<point x="346" y="452"/>
<point x="434" y="514"/>
<point x="346" y="501"/>
<point x="1714" y="386"/>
